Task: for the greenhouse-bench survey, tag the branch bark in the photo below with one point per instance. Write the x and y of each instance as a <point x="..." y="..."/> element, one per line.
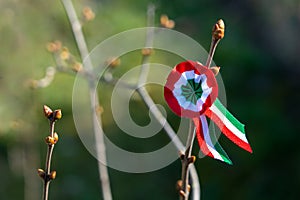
<point x="148" y="45"/>
<point x="48" y="163"/>
<point x="47" y="175"/>
<point x="141" y="91"/>
<point x="186" y="170"/>
<point x="172" y="135"/>
<point x="186" y="160"/>
<point x="94" y="99"/>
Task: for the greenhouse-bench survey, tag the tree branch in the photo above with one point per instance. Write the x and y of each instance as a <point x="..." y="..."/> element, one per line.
<point x="186" y="160"/>
<point x="218" y="33"/>
<point x="156" y="112"/>
<point x="146" y="52"/>
<point x="47" y="175"/>
<point x="94" y="100"/>
<point x="76" y="26"/>
<point x="172" y="135"/>
<point x="48" y="163"/>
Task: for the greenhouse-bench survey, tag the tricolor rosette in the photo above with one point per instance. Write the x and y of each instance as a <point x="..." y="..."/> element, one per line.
<point x="191" y="88"/>
<point x="191" y="91"/>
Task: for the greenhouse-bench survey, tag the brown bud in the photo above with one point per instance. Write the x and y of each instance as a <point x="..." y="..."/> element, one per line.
<point x="51" y="47"/>
<point x="33" y="84"/>
<point x="182" y="193"/>
<point x="164" y="20"/>
<point x="170" y="24"/>
<point x="54" y="46"/>
<point x="215" y="70"/>
<point x="99" y="110"/>
<point x="113" y="62"/>
<point x="218" y="30"/>
<point x="189" y="187"/>
<point x="41" y="173"/>
<point x="57" y="114"/>
<point x="55" y="137"/>
<point x="52" y="175"/>
<point x="50" y="140"/>
<point x="47" y="111"/>
<point x="88" y="14"/>
<point x="179" y="185"/>
<point x="147" y="51"/>
<point x="65" y="54"/>
<point x="192" y="159"/>
<point x="76" y="67"/>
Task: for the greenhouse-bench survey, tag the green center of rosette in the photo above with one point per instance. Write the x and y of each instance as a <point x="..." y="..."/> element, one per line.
<point x="192" y="91"/>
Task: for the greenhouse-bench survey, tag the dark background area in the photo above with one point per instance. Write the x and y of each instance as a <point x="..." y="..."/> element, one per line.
<point x="260" y="67"/>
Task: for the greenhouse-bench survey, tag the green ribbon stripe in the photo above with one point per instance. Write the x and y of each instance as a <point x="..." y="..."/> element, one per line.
<point x="229" y="116"/>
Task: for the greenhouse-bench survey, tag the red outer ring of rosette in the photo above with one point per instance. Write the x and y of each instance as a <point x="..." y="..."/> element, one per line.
<point x="174" y="76"/>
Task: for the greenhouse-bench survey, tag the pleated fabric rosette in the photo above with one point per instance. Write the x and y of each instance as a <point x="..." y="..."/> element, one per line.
<point x="191" y="91"/>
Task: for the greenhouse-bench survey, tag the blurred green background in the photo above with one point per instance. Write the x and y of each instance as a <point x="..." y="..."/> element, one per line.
<point x="260" y="67"/>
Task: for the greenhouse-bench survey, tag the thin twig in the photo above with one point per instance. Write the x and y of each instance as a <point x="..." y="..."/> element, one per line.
<point x="163" y="121"/>
<point x="186" y="160"/>
<point x="47" y="175"/>
<point x="195" y="183"/>
<point x="150" y="103"/>
<point x="141" y="90"/>
<point x="47" y="80"/>
<point x="172" y="135"/>
<point x="155" y="111"/>
<point x="94" y="100"/>
<point x="48" y="163"/>
<point x="114" y="81"/>
<point x="148" y="45"/>
<point x="218" y="33"/>
<point x="160" y="118"/>
<point x="213" y="45"/>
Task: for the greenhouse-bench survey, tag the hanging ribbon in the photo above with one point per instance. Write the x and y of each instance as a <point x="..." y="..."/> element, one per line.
<point x="191" y="91"/>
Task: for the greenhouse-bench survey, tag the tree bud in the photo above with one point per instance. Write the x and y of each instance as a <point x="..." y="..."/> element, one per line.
<point x="57" y="114"/>
<point x="218" y="31"/>
<point x="47" y="111"/>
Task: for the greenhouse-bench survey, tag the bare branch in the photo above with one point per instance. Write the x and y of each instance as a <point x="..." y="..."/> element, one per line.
<point x="172" y="135"/>
<point x="186" y="160"/>
<point x="47" y="80"/>
<point x="48" y="164"/>
<point x="47" y="175"/>
<point x="156" y="112"/>
<point x="195" y="183"/>
<point x="99" y="135"/>
<point x="218" y="32"/>
<point x="76" y="26"/>
<point x="148" y="45"/>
